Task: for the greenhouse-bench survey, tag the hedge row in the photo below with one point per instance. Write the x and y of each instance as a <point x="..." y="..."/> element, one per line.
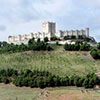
<point x="77" y="46"/>
<point x="44" y="79"/>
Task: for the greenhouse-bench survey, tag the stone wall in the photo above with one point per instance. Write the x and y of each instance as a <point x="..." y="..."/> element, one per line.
<point x="76" y="33"/>
<point x="49" y="30"/>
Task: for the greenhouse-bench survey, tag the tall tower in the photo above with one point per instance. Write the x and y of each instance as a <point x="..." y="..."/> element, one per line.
<point x="87" y="32"/>
<point x="49" y="27"/>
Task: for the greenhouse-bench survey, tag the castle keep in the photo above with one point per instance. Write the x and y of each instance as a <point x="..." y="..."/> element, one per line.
<point x="48" y="30"/>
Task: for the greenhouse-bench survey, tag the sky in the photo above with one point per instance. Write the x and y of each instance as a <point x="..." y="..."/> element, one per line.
<point x="26" y="16"/>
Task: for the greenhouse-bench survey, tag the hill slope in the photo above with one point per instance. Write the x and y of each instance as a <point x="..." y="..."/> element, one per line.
<point x="58" y="62"/>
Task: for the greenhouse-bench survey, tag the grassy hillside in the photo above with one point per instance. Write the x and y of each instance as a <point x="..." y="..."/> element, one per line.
<point x="58" y="62"/>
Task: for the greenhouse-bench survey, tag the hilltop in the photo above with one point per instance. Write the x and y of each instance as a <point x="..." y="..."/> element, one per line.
<point x="58" y="62"/>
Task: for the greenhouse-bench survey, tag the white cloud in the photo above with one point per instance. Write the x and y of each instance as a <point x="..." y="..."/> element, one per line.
<point x="91" y="3"/>
<point x="24" y="16"/>
<point x="54" y="8"/>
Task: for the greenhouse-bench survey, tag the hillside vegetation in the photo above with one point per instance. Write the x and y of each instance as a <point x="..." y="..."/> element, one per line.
<point x="58" y="62"/>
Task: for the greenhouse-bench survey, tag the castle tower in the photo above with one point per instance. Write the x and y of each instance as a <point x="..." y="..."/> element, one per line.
<point x="49" y="27"/>
<point x="87" y="32"/>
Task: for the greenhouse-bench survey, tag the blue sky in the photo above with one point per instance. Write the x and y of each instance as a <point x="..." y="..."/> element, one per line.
<point x="26" y="16"/>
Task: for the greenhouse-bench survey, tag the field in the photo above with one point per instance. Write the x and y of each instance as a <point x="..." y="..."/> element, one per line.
<point x="58" y="62"/>
<point x="10" y="92"/>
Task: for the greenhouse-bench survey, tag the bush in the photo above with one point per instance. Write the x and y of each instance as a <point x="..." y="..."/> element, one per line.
<point x="85" y="47"/>
<point x="46" y="39"/>
<point x="77" y="46"/>
<point x="38" y="40"/>
<point x="44" y="79"/>
<point x="95" y="53"/>
<point x="87" y="39"/>
<point x="5" y="80"/>
<point x="54" y="38"/>
<point x="80" y="37"/>
<point x="57" y="43"/>
<point x="98" y="46"/>
<point x="66" y="37"/>
<point x="73" y="37"/>
<point x="49" y="48"/>
<point x="31" y="41"/>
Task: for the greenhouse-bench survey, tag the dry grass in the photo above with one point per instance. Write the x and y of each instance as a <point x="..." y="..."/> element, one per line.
<point x="10" y="92"/>
<point x="71" y="94"/>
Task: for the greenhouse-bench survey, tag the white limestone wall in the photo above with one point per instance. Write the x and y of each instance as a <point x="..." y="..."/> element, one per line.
<point x="58" y="34"/>
<point x="75" y="33"/>
<point x="45" y="27"/>
<point x="49" y="27"/>
<point x="70" y="33"/>
<point x="80" y="33"/>
<point x="87" y="32"/>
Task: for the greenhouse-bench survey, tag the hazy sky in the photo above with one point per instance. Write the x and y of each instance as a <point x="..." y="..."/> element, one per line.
<point x="25" y="16"/>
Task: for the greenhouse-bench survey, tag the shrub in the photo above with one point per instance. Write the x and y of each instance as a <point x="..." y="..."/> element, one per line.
<point x="66" y="37"/>
<point x="73" y="37"/>
<point x="5" y="80"/>
<point x="53" y="38"/>
<point x="66" y="47"/>
<point x="87" y="39"/>
<point x="18" y="81"/>
<point x="49" y="48"/>
<point x="85" y="47"/>
<point x="77" y="46"/>
<point x="46" y="39"/>
<point x="57" y="43"/>
<point x="80" y="37"/>
<point x="95" y="53"/>
<point x="98" y="46"/>
<point x="44" y="79"/>
<point x="38" y="40"/>
<point x="31" y="41"/>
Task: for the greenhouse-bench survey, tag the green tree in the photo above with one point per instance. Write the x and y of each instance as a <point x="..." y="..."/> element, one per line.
<point x="98" y="46"/>
<point x="94" y="53"/>
<point x="31" y="41"/>
<point x="66" y="37"/>
<point x="73" y="37"/>
<point x="53" y="38"/>
<point x="46" y="39"/>
<point x="38" y="40"/>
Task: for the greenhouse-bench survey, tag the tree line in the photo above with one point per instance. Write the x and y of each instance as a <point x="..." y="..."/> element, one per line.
<point x="78" y="46"/>
<point x="43" y="79"/>
<point x="32" y="45"/>
<point x="80" y="37"/>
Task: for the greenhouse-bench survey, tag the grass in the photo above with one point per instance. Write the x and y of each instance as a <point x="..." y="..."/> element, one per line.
<point x="58" y="62"/>
<point x="71" y="94"/>
<point x="10" y="92"/>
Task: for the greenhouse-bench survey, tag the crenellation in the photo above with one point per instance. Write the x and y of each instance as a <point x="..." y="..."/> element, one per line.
<point x="49" y="30"/>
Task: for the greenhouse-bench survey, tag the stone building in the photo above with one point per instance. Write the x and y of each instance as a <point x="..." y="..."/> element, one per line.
<point x="48" y="30"/>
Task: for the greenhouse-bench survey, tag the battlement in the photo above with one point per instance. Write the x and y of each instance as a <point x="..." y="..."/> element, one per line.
<point x="49" y="30"/>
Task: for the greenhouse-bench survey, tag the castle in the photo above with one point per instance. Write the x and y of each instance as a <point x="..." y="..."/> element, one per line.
<point x="49" y="30"/>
